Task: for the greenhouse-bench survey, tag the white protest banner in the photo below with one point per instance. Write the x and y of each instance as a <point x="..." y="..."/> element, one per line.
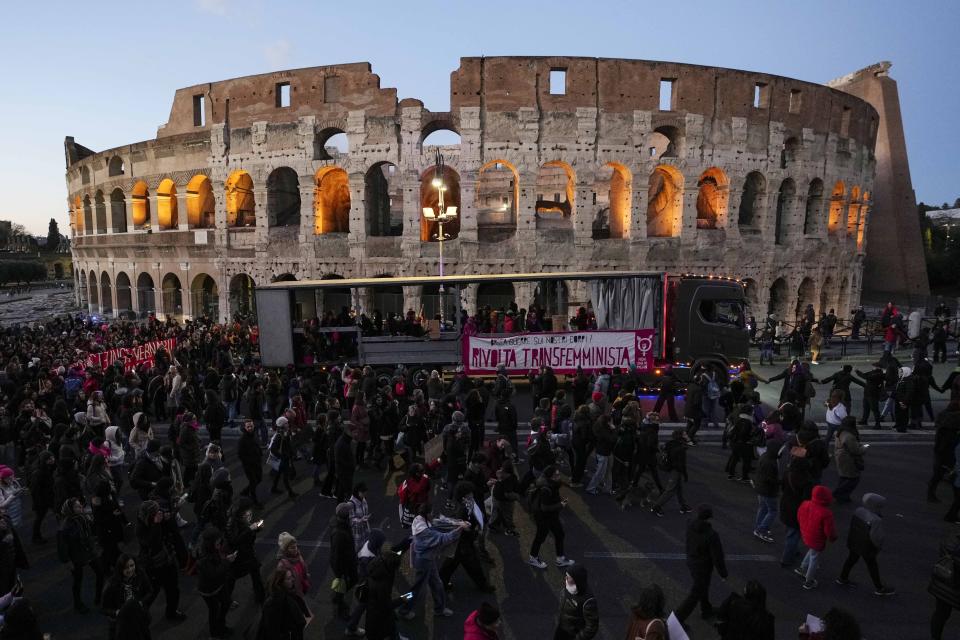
<point x="564" y="351"/>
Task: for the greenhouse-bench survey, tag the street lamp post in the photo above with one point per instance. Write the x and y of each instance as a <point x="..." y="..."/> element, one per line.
<point x="443" y="214"/>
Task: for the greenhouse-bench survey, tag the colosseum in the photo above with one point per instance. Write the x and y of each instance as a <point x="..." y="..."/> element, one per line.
<point x="562" y="164"/>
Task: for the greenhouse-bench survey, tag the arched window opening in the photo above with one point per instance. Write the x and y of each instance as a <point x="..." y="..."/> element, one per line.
<point x="712" y="197"/>
<point x="101" y="212"/>
<point x="751" y="201"/>
<point x="613" y="202"/>
<point x="106" y="294"/>
<point x="205" y="296"/>
<point x="837" y="197"/>
<point x="87" y="215"/>
<point x="172" y="296"/>
<point x="201" y="204"/>
<point x="751" y="296"/>
<point x="785" y="197"/>
<point x="383" y="200"/>
<point x="806" y="296"/>
<point x="790" y="152"/>
<point x="331" y="144"/>
<point x="777" y="303"/>
<point x="241" y="205"/>
<point x="94" y="290"/>
<point x="811" y="215"/>
<point x="146" y="295"/>
<point x="439" y="136"/>
<point x="167" y="214"/>
<point x="664" y="203"/>
<point x="118" y="211"/>
<point x="124" y="295"/>
<point x="84" y="175"/>
<point x="331" y="201"/>
<point x="283" y="198"/>
<point x="827" y="295"/>
<point x="431" y="182"/>
<point x="115" y="166"/>
<point x="242" y="300"/>
<point x="140" y="206"/>
<point x="498" y="185"/>
<point x="555" y="196"/>
<point x="662" y="142"/>
<point x="76" y="216"/>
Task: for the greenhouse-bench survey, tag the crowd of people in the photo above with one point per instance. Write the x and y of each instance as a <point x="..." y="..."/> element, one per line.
<point x="73" y="436"/>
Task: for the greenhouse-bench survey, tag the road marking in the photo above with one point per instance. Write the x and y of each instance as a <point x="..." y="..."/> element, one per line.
<point x="638" y="555"/>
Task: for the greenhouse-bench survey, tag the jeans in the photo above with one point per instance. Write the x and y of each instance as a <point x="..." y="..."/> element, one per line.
<point x="791" y="541"/>
<point x="766" y="513"/>
<point x="598" y="481"/>
<point x="810" y="564"/>
<point x="766" y="354"/>
<point x="427" y="573"/>
<point x="231" y="409"/>
<point x="709" y="412"/>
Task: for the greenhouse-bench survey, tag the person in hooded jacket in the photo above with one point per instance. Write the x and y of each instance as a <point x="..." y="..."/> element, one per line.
<point x="817" y="530"/>
<point x="113" y="439"/>
<point x="849" y="456"/>
<point x="795" y="487"/>
<point x="381" y="571"/>
<point x="648" y="619"/>
<point x="42" y="493"/>
<point x="745" y="616"/>
<point x="905" y="398"/>
<point x="148" y="470"/>
<point x="482" y="623"/>
<point x="427" y="544"/>
<point x="579" y="617"/>
<point x="808" y="444"/>
<point x="864" y="540"/>
<point x="215" y="510"/>
<point x="124" y="601"/>
<point x="545" y="506"/>
<point x="704" y="555"/>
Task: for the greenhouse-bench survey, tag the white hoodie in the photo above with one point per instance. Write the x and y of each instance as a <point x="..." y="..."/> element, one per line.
<point x="116" y="451"/>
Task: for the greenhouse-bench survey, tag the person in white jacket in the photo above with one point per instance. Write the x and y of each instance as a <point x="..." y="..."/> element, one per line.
<point x="113" y="438"/>
<point x="97" y="416"/>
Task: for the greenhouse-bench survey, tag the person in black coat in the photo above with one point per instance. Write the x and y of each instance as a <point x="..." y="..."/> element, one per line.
<point x="250" y="455"/>
<point x="381" y="575"/>
<point x="148" y="470"/>
<point x="742" y="439"/>
<point x="108" y="523"/>
<point x="80" y="550"/>
<point x="796" y="486"/>
<point x="745" y="617"/>
<point x="704" y="554"/>
<point x="343" y="557"/>
<point x="67" y="482"/>
<point x="42" y="492"/>
<point x="507" y="425"/>
<point x="334" y="430"/>
<point x="466" y="552"/>
<point x="579" y="617"/>
<point x="215" y="580"/>
<point x="125" y="599"/>
<point x="842" y="380"/>
<point x="214" y="415"/>
<point x="157" y="558"/>
<point x="285" y="614"/>
<point x="345" y="465"/>
<point x="944" y="447"/>
<point x="241" y="537"/>
<point x="873" y="390"/>
<point x="281" y="447"/>
<point x="675" y="455"/>
<point x="669" y="387"/>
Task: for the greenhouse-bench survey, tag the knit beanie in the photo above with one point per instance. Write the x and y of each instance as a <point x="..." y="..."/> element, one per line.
<point x="284" y="540"/>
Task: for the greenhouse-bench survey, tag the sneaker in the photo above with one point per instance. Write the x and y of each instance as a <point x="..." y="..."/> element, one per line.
<point x="810" y="584"/>
<point x="564" y="561"/>
<point x="446" y="613"/>
<point x="685" y="509"/>
<point x="843" y="582"/>
<point x="800" y="572"/>
<point x="885" y="591"/>
<point x="657" y="511"/>
<point x="536" y="562"/>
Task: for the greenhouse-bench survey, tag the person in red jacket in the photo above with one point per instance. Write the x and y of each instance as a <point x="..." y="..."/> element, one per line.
<point x="482" y="624"/>
<point x="816" y="530"/>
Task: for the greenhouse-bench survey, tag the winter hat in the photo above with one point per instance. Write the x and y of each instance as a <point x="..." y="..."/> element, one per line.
<point x="905" y="371"/>
<point x="284" y="540"/>
<point x="212" y="449"/>
<point x="5" y="472"/>
<point x="596" y="396"/>
<point x="282" y="422"/>
<point x="153" y="446"/>
<point x="138" y="417"/>
<point x="704" y="512"/>
<point x="344" y="509"/>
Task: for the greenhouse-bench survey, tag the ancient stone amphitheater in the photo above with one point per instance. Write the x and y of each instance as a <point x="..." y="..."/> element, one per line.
<point x="554" y="164"/>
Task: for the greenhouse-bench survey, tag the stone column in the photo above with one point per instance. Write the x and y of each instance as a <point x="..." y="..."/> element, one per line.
<point x="637" y="227"/>
<point x="733" y="213"/>
<point x="468" y="298"/>
<point x="468" y="208"/>
<point x="523" y="294"/>
<point x="307" y="192"/>
<point x="410" y="241"/>
<point x="158" y="291"/>
<point x="128" y="211"/>
<point x="186" y="290"/>
<point x="154" y="221"/>
<point x="580" y="210"/>
<point x="688" y="226"/>
<point x="262" y="217"/>
<point x="183" y="218"/>
<point x="220" y="213"/>
<point x="113" y="289"/>
<point x="526" y="209"/>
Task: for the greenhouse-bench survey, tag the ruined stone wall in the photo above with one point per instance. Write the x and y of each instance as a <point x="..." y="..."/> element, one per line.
<point x="712" y="183"/>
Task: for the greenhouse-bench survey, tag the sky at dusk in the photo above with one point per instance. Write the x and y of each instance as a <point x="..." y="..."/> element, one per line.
<point x="105" y="72"/>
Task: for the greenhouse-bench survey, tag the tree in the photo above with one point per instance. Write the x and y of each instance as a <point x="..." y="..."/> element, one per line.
<point x="956" y="203"/>
<point x="53" y="235"/>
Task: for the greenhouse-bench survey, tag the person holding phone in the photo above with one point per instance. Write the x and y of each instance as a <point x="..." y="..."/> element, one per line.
<point x="241" y="538"/>
<point x="215" y="580"/>
<point x="285" y="613"/>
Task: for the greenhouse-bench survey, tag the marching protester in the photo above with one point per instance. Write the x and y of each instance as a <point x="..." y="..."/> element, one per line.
<point x="704" y="555"/>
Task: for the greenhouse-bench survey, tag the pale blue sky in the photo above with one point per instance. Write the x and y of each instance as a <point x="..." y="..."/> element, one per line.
<point x="105" y="71"/>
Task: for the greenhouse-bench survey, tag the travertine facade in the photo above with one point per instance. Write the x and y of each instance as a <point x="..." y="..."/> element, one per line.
<point x="563" y="164"/>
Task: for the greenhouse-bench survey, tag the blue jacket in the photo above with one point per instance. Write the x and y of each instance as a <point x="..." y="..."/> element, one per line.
<point x="428" y="542"/>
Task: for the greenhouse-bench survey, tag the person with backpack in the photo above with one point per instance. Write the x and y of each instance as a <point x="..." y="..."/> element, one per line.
<point x="672" y="459"/>
<point x="545" y="506"/>
<point x="282" y="451"/>
<point x="648" y="615"/>
<point x="711" y="397"/>
<point x="864" y="540"/>
<point x="704" y="555"/>
<point x="579" y="616"/>
<point x="817" y="530"/>
<point x="743" y="438"/>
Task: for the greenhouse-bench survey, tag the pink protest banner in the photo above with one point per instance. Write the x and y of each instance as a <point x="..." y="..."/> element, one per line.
<point x="130" y="356"/>
<point x="564" y="351"/>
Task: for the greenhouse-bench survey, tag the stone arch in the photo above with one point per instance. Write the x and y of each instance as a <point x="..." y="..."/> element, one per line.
<point x="777" y="301"/>
<point x="100" y="207"/>
<point x="167" y="214"/>
<point x="93" y="290"/>
<point x="496" y="295"/>
<point x="283" y="198"/>
<point x="87" y="215"/>
<point x="613" y="188"/>
<point x="827" y="295"/>
<point x="751" y="201"/>
<point x="785" y="197"/>
<point x="205" y="296"/>
<point x="118" y="211"/>
<point x="140" y="205"/>
<point x="712" y="198"/>
<point x="240" y="200"/>
<point x="84" y="175"/>
<point x="115" y="166"/>
<point x="811" y="215"/>
<point x="58" y="271"/>
<point x="106" y="294"/>
<point x="76" y="216"/>
<point x="751" y="295"/>
<point x="853" y="211"/>
<point x="331" y="143"/>
<point x="806" y="295"/>
<point x="201" y="204"/>
<point x="242" y="299"/>
<point x="790" y="152"/>
<point x="498" y="196"/>
<point x="82" y="287"/>
<point x="146" y="294"/>
<point x="439" y="133"/>
<point x="331" y="201"/>
<point x="430" y="186"/>
<point x="171" y="295"/>
<point x="664" y="202"/>
<point x="843" y="294"/>
<point x="284" y="277"/>
<point x="382" y="200"/>
<point x="124" y="294"/>
<point x="556" y="190"/>
<point x="663" y="142"/>
<point x="837" y="197"/>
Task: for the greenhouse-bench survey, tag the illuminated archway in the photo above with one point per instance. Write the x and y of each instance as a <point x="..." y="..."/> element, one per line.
<point x="146" y="295"/>
<point x="106" y="294"/>
<point x="118" y="211"/>
<point x="100" y="207"/>
<point x="140" y="205"/>
<point x="555" y="195"/>
<point x="752" y="201"/>
<point x="201" y="204"/>
<point x="835" y="221"/>
<point x="167" y="214"/>
<point x="712" y="198"/>
<point x="124" y="294"/>
<point x="205" y="296"/>
<point x="331" y="201"/>
<point x="242" y="300"/>
<point x="87" y="215"/>
<point x="862" y="223"/>
<point x="853" y="211"/>
<point x="171" y="295"/>
<point x="498" y="188"/>
<point x="811" y="215"/>
<point x="430" y="198"/>
<point x="240" y="202"/>
<point x="283" y="198"/>
<point x="665" y="202"/>
<point x="76" y="216"/>
<point x="614" y="197"/>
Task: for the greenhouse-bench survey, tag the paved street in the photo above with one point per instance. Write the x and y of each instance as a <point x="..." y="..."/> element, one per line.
<point x="621" y="550"/>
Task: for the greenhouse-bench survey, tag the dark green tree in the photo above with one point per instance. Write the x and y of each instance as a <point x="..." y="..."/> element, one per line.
<point x="53" y="235"/>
